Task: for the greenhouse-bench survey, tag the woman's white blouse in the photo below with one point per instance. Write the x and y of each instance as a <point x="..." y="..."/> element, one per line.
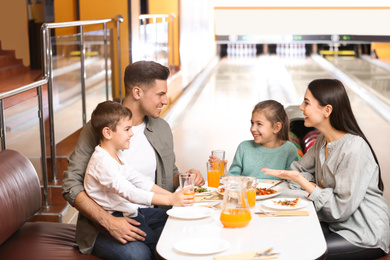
<point x="348" y="197"/>
<point x="115" y="187"/>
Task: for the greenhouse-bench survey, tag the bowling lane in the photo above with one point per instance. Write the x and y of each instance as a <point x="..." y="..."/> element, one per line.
<point x="219" y="116"/>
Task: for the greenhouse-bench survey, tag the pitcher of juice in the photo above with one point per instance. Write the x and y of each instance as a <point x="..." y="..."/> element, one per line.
<point x="235" y="209"/>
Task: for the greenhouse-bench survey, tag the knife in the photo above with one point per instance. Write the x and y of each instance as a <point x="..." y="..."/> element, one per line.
<point x="284" y="213"/>
<point x="276" y="184"/>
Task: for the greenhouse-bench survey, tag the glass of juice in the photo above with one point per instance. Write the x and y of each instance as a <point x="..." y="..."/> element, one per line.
<point x="251" y="190"/>
<point x="220" y="154"/>
<point x="213" y="170"/>
<point x="187" y="181"/>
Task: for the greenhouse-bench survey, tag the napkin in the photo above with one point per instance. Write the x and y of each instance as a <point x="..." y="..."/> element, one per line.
<point x="207" y="198"/>
<point x="285" y="213"/>
<point x="248" y="256"/>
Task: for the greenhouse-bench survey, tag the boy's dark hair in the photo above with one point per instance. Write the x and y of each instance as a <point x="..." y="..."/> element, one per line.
<point x="108" y="114"/>
<point x="143" y="74"/>
<point x="274" y="112"/>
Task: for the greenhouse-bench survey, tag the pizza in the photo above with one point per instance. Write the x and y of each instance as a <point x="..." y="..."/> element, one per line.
<point x="264" y="191"/>
<point x="287" y="203"/>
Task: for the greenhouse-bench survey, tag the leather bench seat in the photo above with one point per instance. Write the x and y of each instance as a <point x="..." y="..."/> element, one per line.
<point x="20" y="199"/>
<point x="43" y="240"/>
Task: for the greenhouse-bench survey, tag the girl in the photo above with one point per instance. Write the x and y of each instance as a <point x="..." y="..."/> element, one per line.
<point x="270" y="147"/>
<point x="342" y="176"/>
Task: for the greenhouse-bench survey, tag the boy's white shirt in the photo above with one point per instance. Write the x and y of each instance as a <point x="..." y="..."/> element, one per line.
<point x="116" y="187"/>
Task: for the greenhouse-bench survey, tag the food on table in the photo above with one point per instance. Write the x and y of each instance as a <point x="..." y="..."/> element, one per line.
<point x="265" y="191"/>
<point x="287" y="203"/>
<point x="221" y="189"/>
<point x="201" y="189"/>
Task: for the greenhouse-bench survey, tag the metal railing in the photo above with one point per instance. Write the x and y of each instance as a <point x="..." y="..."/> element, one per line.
<point x="48" y="79"/>
<point x="36" y="85"/>
<point x="154" y="32"/>
<point x="48" y="70"/>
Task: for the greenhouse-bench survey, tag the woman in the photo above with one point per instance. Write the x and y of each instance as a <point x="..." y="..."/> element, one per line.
<point x="342" y="176"/>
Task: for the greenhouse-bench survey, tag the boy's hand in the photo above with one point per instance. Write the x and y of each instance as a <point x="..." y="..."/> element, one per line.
<point x="179" y="198"/>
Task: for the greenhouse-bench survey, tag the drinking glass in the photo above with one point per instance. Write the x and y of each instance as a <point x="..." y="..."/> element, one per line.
<point x="220" y="154"/>
<point x="187" y="180"/>
<point x="251" y="190"/>
<point x="213" y="170"/>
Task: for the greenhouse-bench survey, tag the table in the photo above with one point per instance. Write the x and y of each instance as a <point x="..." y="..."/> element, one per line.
<point x="297" y="237"/>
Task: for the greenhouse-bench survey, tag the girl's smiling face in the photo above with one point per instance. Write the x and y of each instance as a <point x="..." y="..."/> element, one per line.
<point x="263" y="131"/>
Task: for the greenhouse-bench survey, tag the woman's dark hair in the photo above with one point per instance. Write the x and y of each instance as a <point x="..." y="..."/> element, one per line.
<point x="274" y="112"/>
<point x="108" y="114"/>
<point x="332" y="92"/>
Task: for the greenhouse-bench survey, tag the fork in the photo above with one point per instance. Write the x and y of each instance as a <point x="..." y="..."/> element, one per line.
<point x="267" y="212"/>
<point x="267" y="252"/>
<point x="215" y="206"/>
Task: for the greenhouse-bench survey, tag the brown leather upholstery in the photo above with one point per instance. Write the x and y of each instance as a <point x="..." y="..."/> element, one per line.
<point x="20" y="198"/>
<point x="20" y="195"/>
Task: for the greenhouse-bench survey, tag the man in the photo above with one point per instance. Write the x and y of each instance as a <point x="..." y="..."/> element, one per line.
<point x="152" y="149"/>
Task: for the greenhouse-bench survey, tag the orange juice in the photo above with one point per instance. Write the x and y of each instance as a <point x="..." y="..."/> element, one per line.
<point x="251" y="195"/>
<point x="213" y="178"/>
<point x="189" y="192"/>
<point x="235" y="218"/>
<point x="222" y="170"/>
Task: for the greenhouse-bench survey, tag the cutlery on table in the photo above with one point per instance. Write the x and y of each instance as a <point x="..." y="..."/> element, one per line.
<point x="263" y="213"/>
<point x="276" y="184"/>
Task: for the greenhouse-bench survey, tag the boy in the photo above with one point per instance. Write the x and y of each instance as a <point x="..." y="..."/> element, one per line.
<point x="115" y="185"/>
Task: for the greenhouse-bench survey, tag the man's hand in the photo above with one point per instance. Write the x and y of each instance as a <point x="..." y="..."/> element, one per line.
<point x="198" y="181"/>
<point x="123" y="229"/>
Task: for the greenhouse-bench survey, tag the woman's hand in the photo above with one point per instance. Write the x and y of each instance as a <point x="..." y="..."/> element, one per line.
<point x="292" y="176"/>
<point x="283" y="174"/>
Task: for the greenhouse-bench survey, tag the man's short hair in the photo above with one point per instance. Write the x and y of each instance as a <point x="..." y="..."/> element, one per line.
<point x="108" y="114"/>
<point x="143" y="74"/>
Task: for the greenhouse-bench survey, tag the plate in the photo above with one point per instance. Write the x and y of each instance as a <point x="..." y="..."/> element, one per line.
<point x="219" y="189"/>
<point x="190" y="212"/>
<point x="270" y="204"/>
<point x="208" y="192"/>
<point x="278" y="189"/>
<point x="201" y="246"/>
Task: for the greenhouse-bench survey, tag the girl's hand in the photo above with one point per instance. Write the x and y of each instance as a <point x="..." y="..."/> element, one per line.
<point x="179" y="198"/>
<point x="216" y="159"/>
<point x="283" y="174"/>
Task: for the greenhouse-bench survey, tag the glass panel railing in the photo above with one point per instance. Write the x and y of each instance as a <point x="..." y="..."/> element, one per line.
<point x="154" y="36"/>
<point x="67" y="80"/>
<point x="23" y="129"/>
